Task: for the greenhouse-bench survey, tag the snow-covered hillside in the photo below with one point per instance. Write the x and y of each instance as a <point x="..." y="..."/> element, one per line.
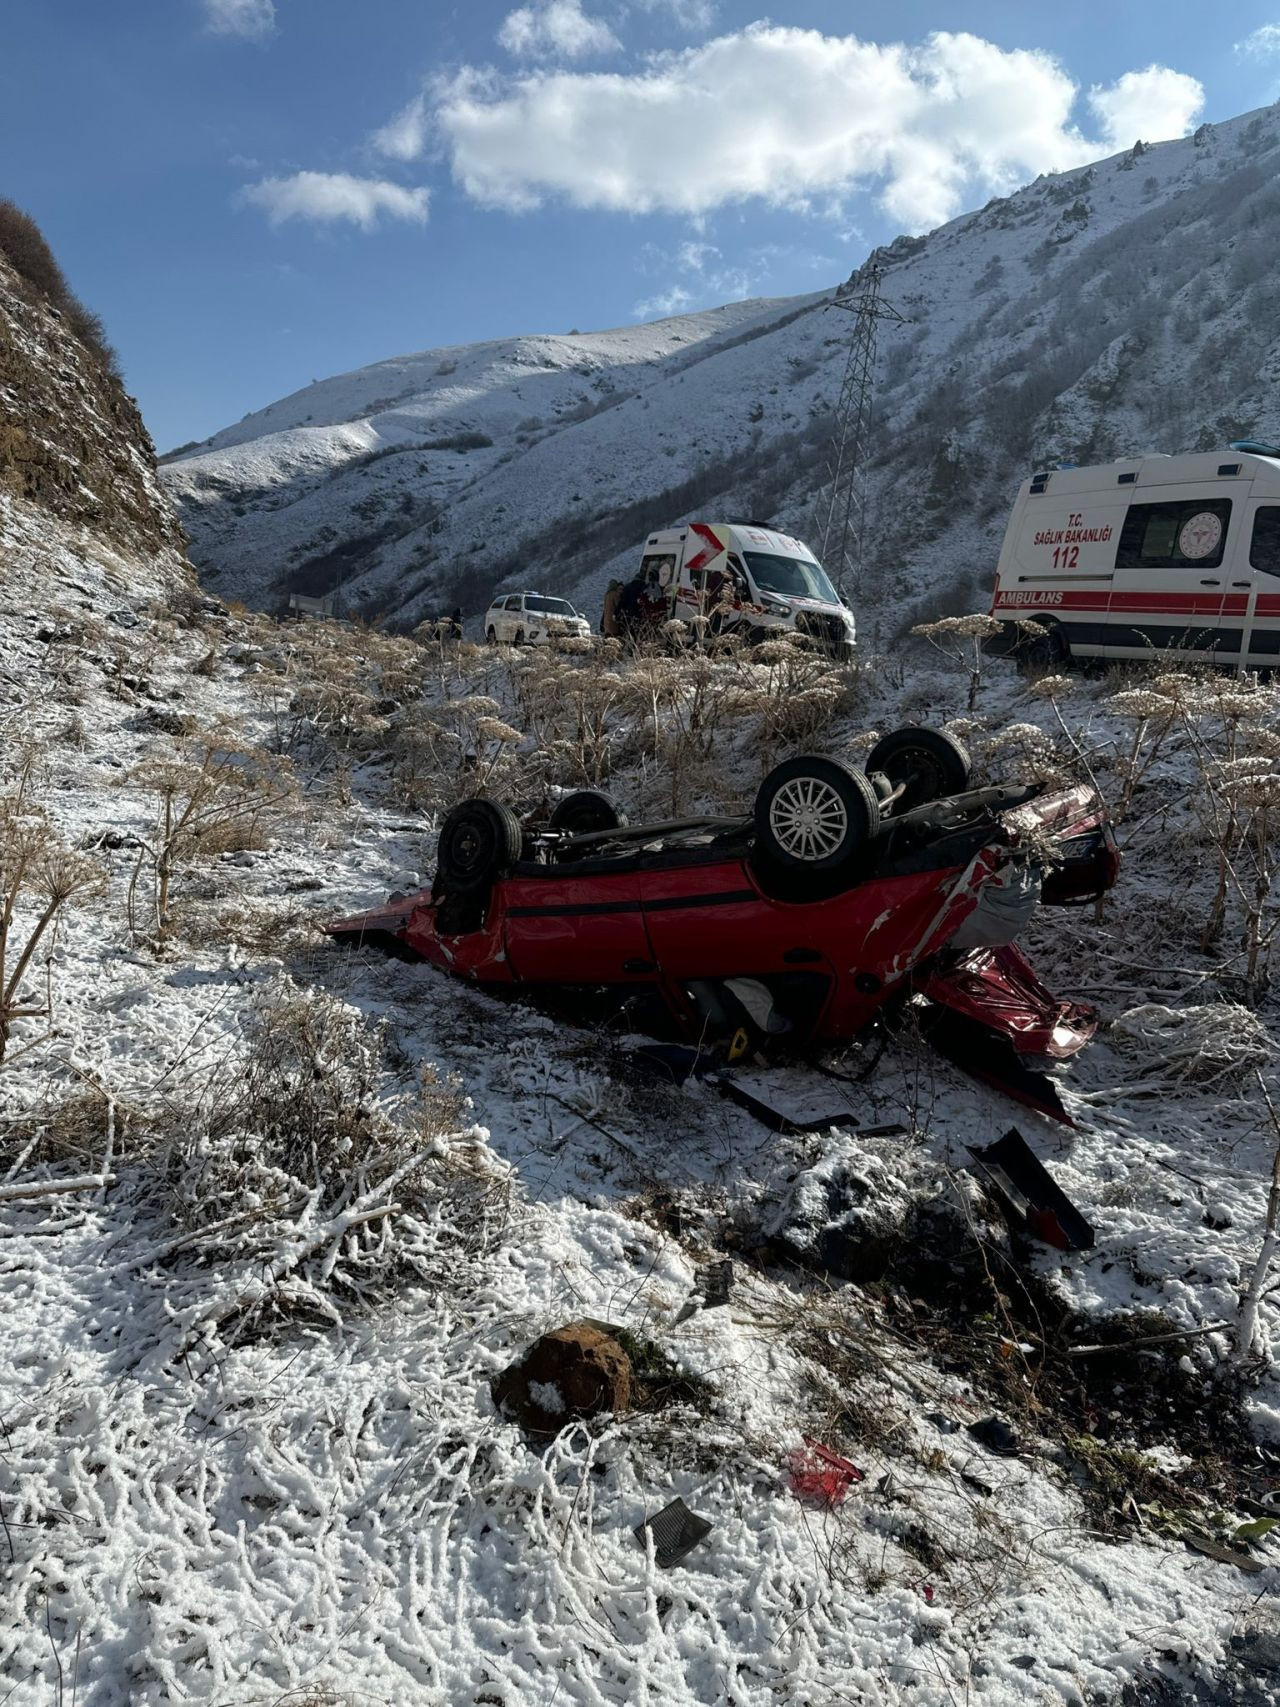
<point x="1125" y="306"/>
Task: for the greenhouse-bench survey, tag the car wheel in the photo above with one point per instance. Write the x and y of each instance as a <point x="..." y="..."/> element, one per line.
<point x="926" y="763"/>
<point x="586" y="812"/>
<point x="814" y="814"/>
<point x="479" y="840"/>
<point x="1047" y="651"/>
<point x="519" y="637"/>
<point x="492" y="636"/>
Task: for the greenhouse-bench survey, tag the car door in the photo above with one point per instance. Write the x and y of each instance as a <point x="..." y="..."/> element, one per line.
<point x="1169" y="591"/>
<point x="1261" y="562"/>
<point x="707" y="920"/>
<point x="576" y="928"/>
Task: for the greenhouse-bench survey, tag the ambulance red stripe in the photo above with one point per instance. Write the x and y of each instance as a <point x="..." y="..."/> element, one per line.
<point x="1151" y="604"/>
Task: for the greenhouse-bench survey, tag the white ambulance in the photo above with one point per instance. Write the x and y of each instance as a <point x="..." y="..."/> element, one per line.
<point x="748" y="580"/>
<point x="1146" y="554"/>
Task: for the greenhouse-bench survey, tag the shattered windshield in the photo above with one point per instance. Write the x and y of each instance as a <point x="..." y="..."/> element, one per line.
<point x="790" y="577"/>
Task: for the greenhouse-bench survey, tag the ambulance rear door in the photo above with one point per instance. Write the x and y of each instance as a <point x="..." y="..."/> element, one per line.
<point x="704" y="553"/>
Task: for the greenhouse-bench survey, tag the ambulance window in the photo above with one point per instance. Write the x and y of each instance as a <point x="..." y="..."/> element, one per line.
<point x="1264" y="549"/>
<point x="653" y="565"/>
<point x="1156" y="536"/>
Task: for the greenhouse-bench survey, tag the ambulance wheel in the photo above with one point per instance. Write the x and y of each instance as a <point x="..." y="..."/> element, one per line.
<point x="586" y="813"/>
<point x="926" y="763"/>
<point x="1047" y="651"/>
<point x="814" y="814"/>
<point x="479" y="840"/>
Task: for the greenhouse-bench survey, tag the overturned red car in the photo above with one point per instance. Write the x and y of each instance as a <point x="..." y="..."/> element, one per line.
<point x="845" y="897"/>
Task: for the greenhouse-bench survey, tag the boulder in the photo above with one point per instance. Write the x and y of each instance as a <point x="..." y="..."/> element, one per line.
<point x="575" y="1371"/>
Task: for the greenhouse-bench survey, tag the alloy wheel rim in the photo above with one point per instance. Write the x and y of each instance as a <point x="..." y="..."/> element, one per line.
<point x="808" y="819"/>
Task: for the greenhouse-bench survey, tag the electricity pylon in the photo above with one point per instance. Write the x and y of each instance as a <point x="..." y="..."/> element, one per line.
<point x="845" y="524"/>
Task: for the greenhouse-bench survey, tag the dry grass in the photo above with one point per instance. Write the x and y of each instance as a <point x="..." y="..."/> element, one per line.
<point x="261" y="929"/>
<point x="306" y="1183"/>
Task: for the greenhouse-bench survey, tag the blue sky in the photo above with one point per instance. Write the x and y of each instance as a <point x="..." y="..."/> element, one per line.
<point x="257" y="193"/>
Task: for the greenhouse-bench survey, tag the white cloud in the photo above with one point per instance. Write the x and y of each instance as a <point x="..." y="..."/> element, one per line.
<point x="693" y="14"/>
<point x="327" y="197"/>
<point x="666" y="302"/>
<point x="789" y="116"/>
<point x="404" y="136"/>
<point x="704" y="276"/>
<point x="555" y="29"/>
<point x="1147" y="106"/>
<point x="250" y="18"/>
<point x="1264" y="43"/>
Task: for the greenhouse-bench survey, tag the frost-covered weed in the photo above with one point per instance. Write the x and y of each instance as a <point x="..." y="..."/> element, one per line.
<point x="217" y="795"/>
<point x="303" y="1181"/>
<point x="960" y="640"/>
<point x="1215" y="1044"/>
<point x="39" y="877"/>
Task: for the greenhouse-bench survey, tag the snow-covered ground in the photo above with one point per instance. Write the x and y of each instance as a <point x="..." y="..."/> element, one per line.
<point x="263" y="1465"/>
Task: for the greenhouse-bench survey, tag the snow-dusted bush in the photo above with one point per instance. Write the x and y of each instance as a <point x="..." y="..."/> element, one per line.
<point x="960" y="640"/>
<point x="39" y="876"/>
<point x="1217" y="1044"/>
<point x="217" y="795"/>
<point x="304" y="1182"/>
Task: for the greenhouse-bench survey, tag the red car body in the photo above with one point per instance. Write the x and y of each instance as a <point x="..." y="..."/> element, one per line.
<point x="674" y="916"/>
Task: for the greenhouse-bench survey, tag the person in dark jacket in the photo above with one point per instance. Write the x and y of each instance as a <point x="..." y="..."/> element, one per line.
<point x="609" y="615"/>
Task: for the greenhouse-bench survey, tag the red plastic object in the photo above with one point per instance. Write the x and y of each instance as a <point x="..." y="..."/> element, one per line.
<point x="819" y="1474"/>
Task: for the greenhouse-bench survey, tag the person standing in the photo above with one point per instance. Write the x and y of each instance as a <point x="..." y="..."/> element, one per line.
<point x="609" y="626"/>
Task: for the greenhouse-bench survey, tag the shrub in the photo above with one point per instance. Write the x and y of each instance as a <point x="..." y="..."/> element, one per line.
<point x="302" y="1180"/>
<point x="23" y="245"/>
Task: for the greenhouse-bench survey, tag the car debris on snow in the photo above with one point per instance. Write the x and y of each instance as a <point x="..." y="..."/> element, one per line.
<point x="676" y="1531"/>
<point x="1029" y="1193"/>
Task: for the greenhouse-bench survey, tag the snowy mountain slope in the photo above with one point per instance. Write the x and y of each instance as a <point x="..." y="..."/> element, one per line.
<point x="369" y="463"/>
<point x="72" y="443"/>
<point x="1123" y="306"/>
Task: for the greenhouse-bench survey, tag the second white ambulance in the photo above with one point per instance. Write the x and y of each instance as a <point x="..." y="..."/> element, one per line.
<point x="1147" y="554"/>
<point x="750" y="579"/>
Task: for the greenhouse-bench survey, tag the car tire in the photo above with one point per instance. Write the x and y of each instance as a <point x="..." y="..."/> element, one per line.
<point x="479" y="841"/>
<point x="814" y="815"/>
<point x="586" y="812"/>
<point x="519" y="637"/>
<point x="491" y="636"/>
<point x="930" y="763"/>
<point x="1048" y="651"/>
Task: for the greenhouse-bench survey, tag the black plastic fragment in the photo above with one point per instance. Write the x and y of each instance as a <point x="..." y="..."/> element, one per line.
<point x="1030" y="1193"/>
<point x="676" y="1532"/>
<point x="718" y="1283"/>
<point x="997" y="1436"/>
